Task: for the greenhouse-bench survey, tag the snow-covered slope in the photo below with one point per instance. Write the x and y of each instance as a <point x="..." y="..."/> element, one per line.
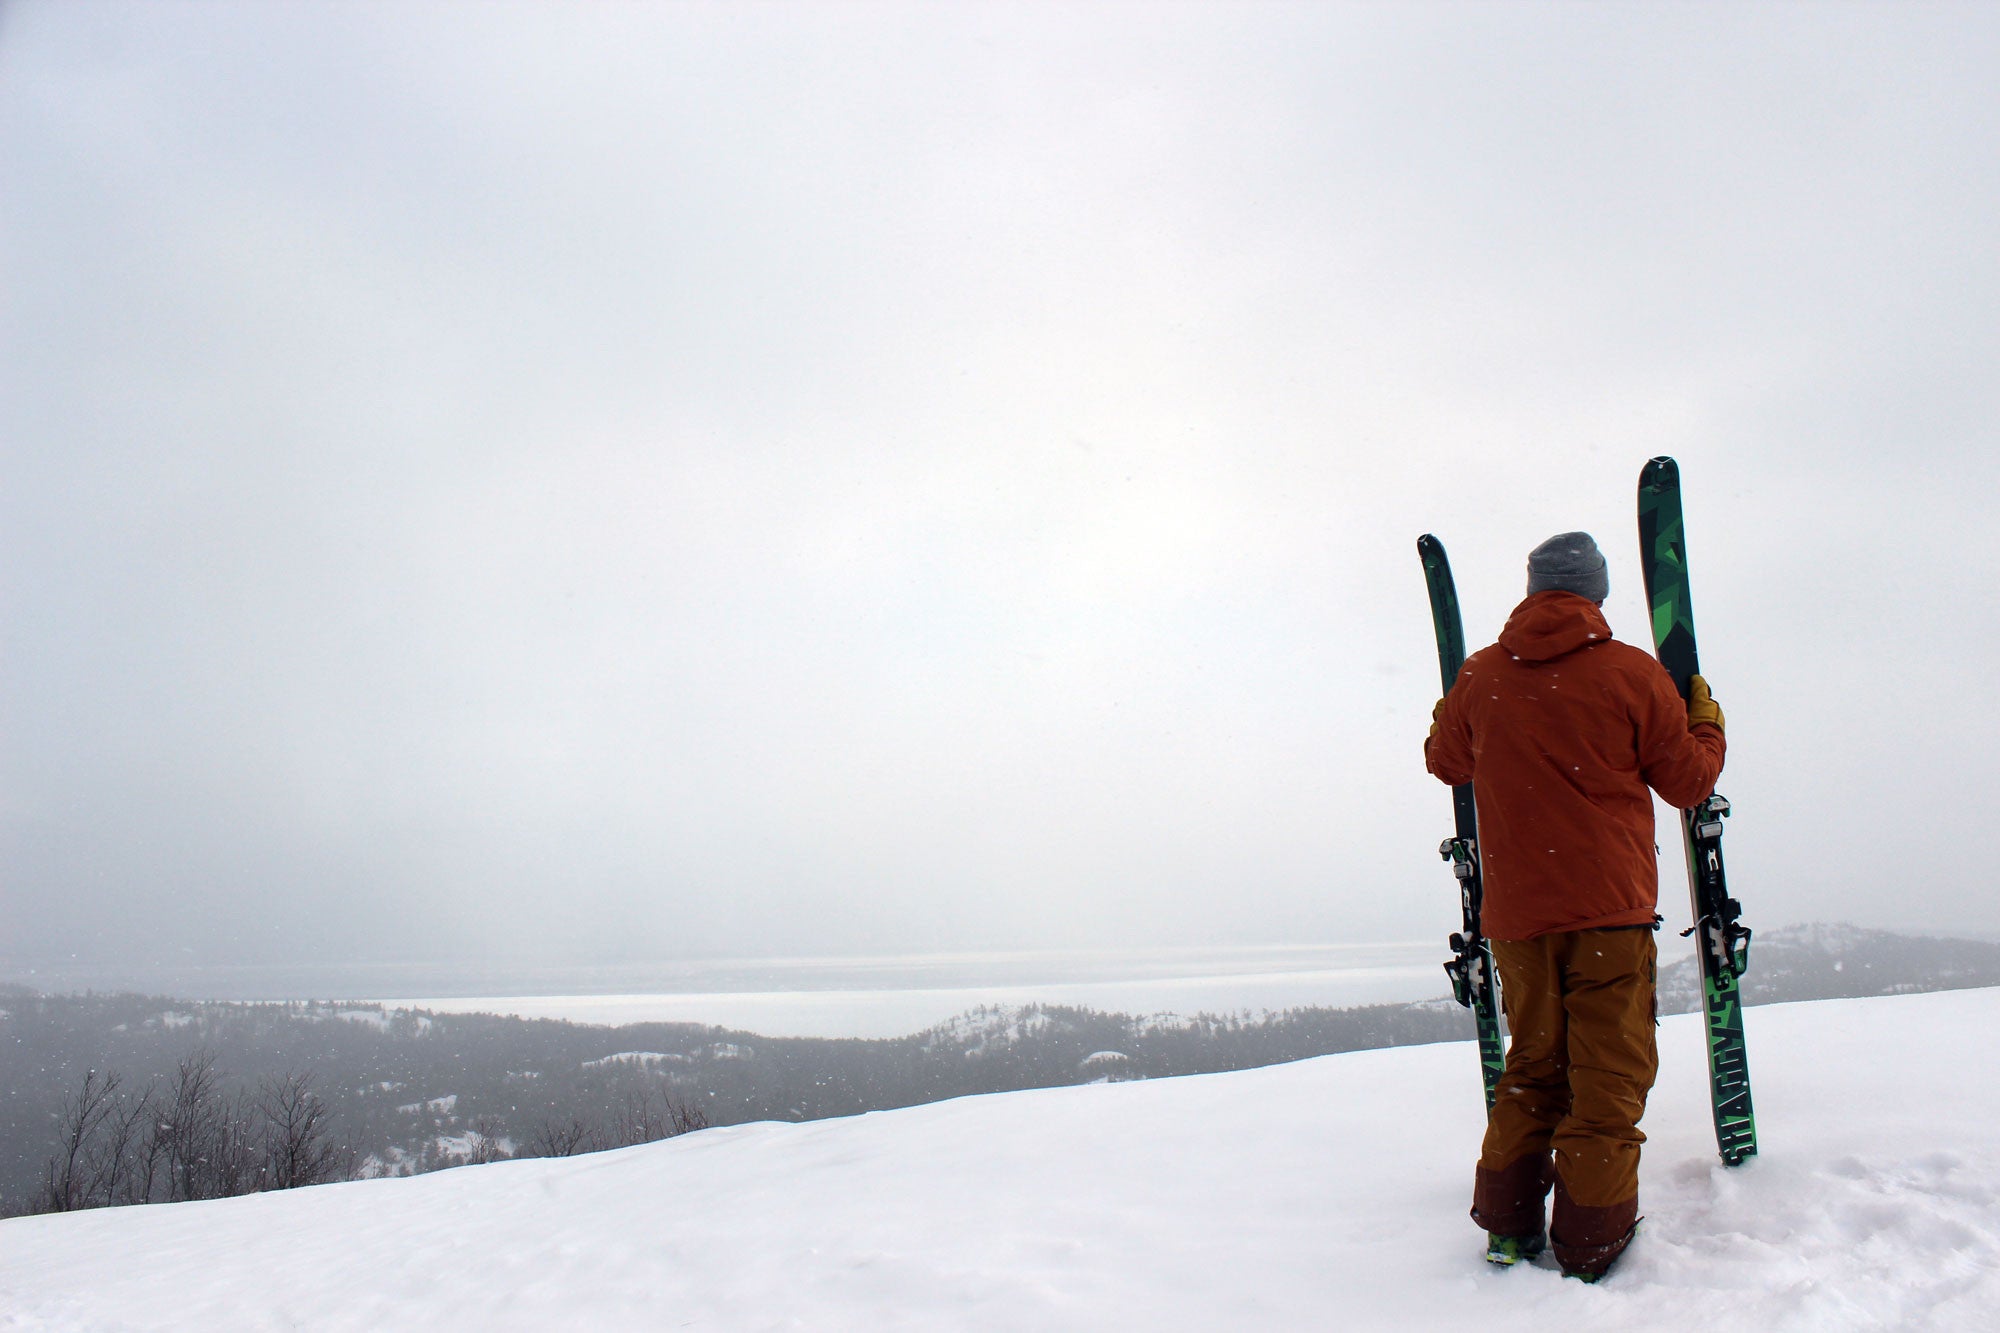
<point x="1329" y="1194"/>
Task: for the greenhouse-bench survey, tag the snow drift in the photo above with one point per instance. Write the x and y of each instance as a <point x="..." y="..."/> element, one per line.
<point x="1325" y="1194"/>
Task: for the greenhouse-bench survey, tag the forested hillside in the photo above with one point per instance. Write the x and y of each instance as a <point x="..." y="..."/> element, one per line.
<point x="356" y="1089"/>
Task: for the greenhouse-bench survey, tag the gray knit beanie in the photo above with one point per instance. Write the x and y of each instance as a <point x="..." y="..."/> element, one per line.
<point x="1569" y="562"/>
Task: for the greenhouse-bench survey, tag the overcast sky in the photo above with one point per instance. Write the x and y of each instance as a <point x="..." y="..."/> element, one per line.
<point x="566" y="483"/>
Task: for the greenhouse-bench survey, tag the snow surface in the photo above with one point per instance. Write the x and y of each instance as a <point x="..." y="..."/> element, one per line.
<point x="1328" y="1194"/>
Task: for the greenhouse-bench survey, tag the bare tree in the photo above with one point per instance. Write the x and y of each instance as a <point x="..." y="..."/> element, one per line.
<point x="563" y="1139"/>
<point x="143" y="1180"/>
<point x="683" y="1117"/>
<point x="83" y="1114"/>
<point x="639" y="1120"/>
<point x="234" y="1167"/>
<point x="645" y="1117"/>
<point x="101" y="1156"/>
<point x="296" y="1147"/>
<point x="484" y="1136"/>
<point x="122" y="1171"/>
<point x="201" y="1138"/>
<point x="182" y="1136"/>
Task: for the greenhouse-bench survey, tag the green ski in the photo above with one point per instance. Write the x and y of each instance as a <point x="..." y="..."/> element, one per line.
<point x="1722" y="945"/>
<point x="1474" y="983"/>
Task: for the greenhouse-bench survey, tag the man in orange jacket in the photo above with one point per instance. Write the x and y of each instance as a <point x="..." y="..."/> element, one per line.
<point x="1561" y="730"/>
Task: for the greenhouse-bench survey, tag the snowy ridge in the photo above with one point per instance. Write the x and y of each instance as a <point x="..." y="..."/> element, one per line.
<point x="645" y="1059"/>
<point x="1830" y="960"/>
<point x="1329" y="1193"/>
<point x="987" y="1027"/>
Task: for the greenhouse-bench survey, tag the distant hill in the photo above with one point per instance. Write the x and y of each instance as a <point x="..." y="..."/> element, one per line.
<point x="408" y="1091"/>
<point x="1831" y="962"/>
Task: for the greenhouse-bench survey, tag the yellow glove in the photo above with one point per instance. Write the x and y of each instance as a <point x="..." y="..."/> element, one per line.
<point x="1437" y="716"/>
<point x="1702" y="706"/>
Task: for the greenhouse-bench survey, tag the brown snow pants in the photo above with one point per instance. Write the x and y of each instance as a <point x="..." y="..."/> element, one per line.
<point x="1580" y="1060"/>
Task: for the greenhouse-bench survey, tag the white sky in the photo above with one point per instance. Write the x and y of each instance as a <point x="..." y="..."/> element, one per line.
<point x="569" y="483"/>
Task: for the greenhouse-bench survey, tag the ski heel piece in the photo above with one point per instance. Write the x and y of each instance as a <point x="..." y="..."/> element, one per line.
<point x="1506" y="1251"/>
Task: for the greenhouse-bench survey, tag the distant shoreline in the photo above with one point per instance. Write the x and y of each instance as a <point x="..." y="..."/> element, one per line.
<point x="350" y="980"/>
<point x="876" y="996"/>
<point x="899" y="1012"/>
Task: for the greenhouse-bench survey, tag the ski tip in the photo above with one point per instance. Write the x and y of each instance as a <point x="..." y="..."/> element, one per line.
<point x="1661" y="471"/>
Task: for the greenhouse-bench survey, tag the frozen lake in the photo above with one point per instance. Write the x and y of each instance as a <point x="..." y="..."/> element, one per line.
<point x="894" y="996"/>
<point x="888" y="995"/>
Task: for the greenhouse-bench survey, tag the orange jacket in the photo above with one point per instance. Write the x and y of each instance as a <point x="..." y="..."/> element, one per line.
<point x="1560" y="729"/>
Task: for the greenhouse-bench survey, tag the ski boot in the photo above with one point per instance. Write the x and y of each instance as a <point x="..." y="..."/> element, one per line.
<point x="1506" y="1251"/>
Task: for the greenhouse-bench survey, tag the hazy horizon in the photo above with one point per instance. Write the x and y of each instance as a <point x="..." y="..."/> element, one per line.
<point x="565" y="487"/>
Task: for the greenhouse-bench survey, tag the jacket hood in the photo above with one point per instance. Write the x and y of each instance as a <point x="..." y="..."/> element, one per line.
<point x="1553" y="624"/>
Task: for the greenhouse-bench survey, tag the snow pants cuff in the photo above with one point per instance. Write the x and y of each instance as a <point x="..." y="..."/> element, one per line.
<point x="1589" y="1240"/>
<point x="1509" y="1202"/>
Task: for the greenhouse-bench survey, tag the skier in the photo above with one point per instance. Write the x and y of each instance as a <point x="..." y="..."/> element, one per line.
<point x="1561" y="729"/>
